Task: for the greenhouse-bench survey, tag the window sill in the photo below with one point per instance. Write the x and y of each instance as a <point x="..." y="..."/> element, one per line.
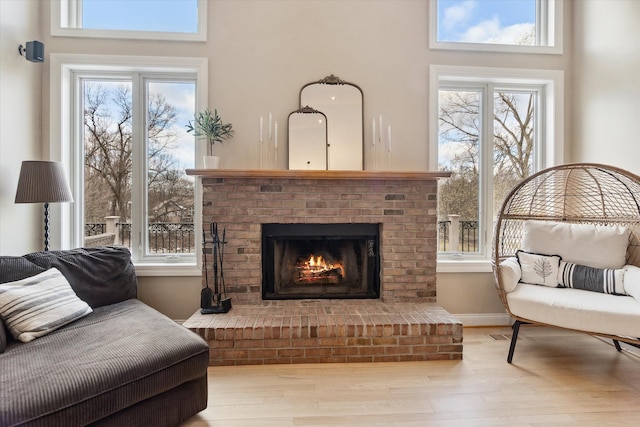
<point x="464" y="266"/>
<point x="164" y="269"/>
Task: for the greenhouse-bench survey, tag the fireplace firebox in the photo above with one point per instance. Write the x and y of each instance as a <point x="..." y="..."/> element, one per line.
<point x="301" y="261"/>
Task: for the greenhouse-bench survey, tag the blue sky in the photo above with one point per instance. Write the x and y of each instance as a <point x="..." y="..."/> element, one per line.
<point x="175" y="15"/>
<point x="485" y="21"/>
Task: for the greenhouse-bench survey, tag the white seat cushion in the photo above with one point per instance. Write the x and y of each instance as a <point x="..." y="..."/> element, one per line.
<point x="577" y="309"/>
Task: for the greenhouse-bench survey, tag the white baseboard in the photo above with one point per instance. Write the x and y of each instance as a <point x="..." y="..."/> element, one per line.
<point x="485" y="319"/>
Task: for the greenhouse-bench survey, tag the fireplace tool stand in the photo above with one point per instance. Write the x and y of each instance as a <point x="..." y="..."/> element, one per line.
<point x="214" y="301"/>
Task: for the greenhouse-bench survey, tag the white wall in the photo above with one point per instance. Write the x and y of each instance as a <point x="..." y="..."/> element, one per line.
<point x="261" y="52"/>
<point x="21" y="227"/>
<point x="606" y="106"/>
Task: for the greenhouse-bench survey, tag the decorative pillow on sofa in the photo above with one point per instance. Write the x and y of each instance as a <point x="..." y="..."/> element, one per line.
<point x="538" y="269"/>
<point x="99" y="276"/>
<point x="40" y="304"/>
<point x="604" y="280"/>
<point x="599" y="246"/>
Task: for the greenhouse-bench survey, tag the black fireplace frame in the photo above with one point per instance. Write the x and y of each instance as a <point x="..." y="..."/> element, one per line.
<point x="304" y="231"/>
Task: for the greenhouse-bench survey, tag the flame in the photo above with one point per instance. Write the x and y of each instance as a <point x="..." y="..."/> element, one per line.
<point x="318" y="264"/>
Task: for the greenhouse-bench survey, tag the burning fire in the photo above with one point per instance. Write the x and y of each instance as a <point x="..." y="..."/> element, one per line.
<point x="317" y="267"/>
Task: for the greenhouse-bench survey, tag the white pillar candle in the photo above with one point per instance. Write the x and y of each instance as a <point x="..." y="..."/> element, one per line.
<point x="380" y="127"/>
<point x="270" y="126"/>
<point x="389" y="137"/>
<point x="261" y="130"/>
<point x="275" y="137"/>
<point x="373" y="132"/>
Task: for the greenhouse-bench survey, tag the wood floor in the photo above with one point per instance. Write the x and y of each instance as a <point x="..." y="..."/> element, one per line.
<point x="557" y="378"/>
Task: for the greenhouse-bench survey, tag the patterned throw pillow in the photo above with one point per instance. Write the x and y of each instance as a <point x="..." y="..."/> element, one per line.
<point x="604" y="280"/>
<point x="40" y="304"/>
<point x="539" y="269"/>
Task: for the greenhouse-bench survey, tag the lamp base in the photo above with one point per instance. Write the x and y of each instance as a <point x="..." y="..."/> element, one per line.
<point x="46" y="226"/>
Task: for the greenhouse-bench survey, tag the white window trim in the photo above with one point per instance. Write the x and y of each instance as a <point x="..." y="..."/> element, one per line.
<point x="68" y="229"/>
<point x="66" y="14"/>
<point x="549" y="15"/>
<point x="552" y="134"/>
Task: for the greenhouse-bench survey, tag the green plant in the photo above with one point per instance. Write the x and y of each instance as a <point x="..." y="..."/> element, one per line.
<point x="209" y="126"/>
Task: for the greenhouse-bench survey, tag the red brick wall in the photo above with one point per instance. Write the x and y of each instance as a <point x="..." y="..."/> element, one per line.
<point x="406" y="210"/>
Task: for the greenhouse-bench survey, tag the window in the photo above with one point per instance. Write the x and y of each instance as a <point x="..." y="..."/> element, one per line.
<point x="135" y="161"/>
<point x="490" y="130"/>
<point x="134" y="19"/>
<point x="531" y="26"/>
<point x="128" y="150"/>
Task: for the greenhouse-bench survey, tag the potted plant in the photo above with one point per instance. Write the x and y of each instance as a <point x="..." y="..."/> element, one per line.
<point x="209" y="126"/>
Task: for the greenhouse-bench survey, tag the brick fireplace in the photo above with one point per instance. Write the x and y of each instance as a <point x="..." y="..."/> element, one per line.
<point x="401" y="204"/>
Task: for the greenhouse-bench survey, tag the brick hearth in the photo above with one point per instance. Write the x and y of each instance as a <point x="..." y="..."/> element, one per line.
<point x="316" y="331"/>
<point x="404" y="324"/>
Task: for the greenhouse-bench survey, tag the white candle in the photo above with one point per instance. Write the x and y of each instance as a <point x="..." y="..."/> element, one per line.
<point x="373" y="132"/>
<point x="261" y="130"/>
<point x="269" y="125"/>
<point x="275" y="138"/>
<point x="389" y="138"/>
<point x="380" y="127"/>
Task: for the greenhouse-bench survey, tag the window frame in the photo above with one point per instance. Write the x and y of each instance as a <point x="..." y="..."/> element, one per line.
<point x="550" y="128"/>
<point x="66" y="124"/>
<point x="69" y="13"/>
<point x="549" y="24"/>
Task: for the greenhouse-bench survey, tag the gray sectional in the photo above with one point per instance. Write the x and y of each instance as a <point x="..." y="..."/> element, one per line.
<point x="124" y="364"/>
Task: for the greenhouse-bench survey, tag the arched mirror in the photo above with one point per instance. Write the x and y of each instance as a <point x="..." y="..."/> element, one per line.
<point x="342" y="104"/>
<point x="308" y="127"/>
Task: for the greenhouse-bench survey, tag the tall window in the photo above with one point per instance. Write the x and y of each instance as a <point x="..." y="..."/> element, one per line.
<point x="135" y="152"/>
<point x="492" y="132"/>
<point x="136" y="19"/>
<point x="497" y="25"/>
<point x="487" y="150"/>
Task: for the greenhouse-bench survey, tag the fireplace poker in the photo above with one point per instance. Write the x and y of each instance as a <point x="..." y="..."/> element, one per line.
<point x="222" y="244"/>
<point x="214" y="234"/>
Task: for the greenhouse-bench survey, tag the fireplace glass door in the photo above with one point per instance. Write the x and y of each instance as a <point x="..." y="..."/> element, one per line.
<point x="320" y="261"/>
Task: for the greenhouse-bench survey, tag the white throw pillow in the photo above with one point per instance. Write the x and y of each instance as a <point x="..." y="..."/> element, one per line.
<point x="538" y="269"/>
<point x="596" y="246"/>
<point x="40" y="304"/>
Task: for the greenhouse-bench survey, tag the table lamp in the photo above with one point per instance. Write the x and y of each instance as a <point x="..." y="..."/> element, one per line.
<point x="43" y="182"/>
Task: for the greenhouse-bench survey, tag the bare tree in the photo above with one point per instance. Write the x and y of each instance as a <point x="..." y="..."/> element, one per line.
<point x="460" y="126"/>
<point x="108" y="151"/>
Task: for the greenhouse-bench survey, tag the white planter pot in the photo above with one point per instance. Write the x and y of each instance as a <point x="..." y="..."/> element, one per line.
<point x="211" y="162"/>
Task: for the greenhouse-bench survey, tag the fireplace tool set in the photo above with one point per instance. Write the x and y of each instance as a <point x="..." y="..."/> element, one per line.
<point x="213" y="301"/>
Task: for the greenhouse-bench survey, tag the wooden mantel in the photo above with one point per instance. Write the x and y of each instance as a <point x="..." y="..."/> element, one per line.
<point x="317" y="174"/>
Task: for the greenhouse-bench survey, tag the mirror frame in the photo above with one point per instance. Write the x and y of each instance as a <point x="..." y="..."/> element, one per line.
<point x="334" y="80"/>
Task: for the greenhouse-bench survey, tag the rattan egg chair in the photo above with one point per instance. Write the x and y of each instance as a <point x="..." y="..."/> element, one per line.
<point x="584" y="193"/>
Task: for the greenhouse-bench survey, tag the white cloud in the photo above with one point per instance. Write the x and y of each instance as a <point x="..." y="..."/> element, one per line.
<point x="448" y="150"/>
<point x="491" y="31"/>
<point x="458" y="14"/>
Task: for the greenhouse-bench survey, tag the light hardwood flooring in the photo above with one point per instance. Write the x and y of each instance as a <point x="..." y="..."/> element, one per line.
<point x="558" y="378"/>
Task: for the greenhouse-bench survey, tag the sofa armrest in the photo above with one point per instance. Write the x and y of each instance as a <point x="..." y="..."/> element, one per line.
<point x="510" y="273"/>
<point x="632" y="281"/>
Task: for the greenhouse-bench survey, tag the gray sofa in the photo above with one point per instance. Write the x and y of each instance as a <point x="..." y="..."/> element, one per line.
<point x="124" y="364"/>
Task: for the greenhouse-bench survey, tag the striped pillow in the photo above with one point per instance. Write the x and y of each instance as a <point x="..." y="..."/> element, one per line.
<point x="40" y="304"/>
<point x="604" y="280"/>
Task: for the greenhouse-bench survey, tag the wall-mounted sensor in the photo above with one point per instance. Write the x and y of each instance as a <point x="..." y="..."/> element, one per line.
<point x="34" y="51"/>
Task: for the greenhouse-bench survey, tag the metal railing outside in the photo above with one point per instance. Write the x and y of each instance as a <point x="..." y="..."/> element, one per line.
<point x="164" y="237"/>
<point x="468" y="236"/>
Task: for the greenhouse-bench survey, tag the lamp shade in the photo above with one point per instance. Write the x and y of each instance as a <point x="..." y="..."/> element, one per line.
<point x="42" y="182"/>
